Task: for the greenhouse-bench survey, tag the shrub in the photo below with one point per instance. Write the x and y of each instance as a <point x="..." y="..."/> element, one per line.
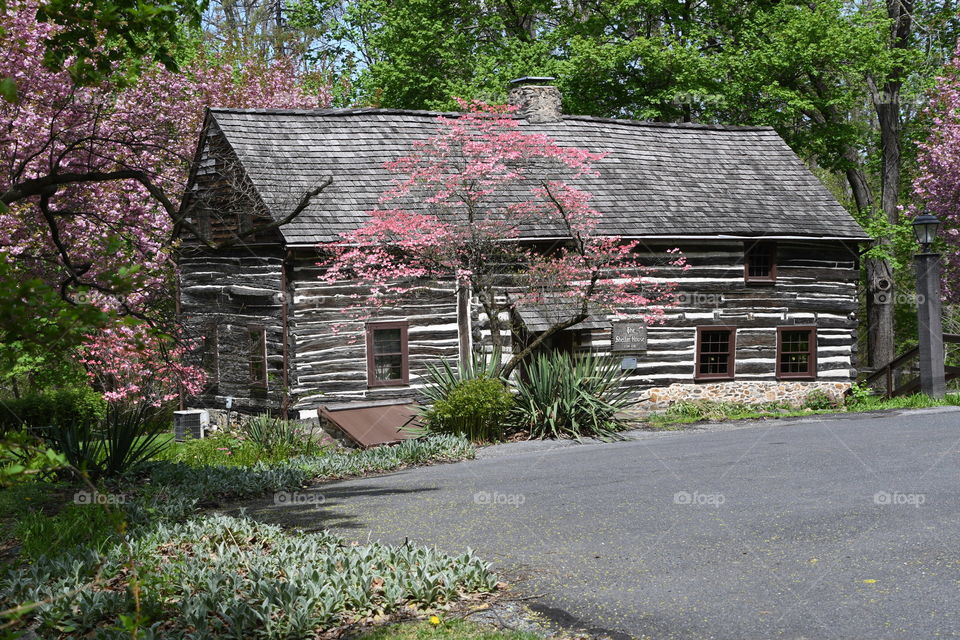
<point x="475" y="408"/>
<point x="37" y="411"/>
<point x="570" y="397"/>
<point x="859" y="393"/>
<point x="24" y="457"/>
<point x="819" y="400"/>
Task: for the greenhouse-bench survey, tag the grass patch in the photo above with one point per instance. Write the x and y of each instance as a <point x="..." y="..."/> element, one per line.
<point x="446" y="630"/>
<point x="689" y="412"/>
<point x="916" y="401"/>
<point x="20" y="501"/>
<point x="72" y="526"/>
<point x="234" y="451"/>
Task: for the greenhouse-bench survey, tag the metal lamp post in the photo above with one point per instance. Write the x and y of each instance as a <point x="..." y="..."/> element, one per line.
<point x="929" y="323"/>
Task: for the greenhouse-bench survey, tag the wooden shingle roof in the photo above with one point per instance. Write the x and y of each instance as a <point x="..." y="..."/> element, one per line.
<point x="668" y="180"/>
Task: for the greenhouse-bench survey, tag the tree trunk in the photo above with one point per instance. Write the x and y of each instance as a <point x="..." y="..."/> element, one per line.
<point x="487" y="301"/>
<point x="880" y="338"/>
<point x="517" y="358"/>
<point x="886" y="101"/>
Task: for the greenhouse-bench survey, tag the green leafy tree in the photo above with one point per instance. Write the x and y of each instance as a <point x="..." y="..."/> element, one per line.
<point x="842" y="81"/>
<point x="94" y="37"/>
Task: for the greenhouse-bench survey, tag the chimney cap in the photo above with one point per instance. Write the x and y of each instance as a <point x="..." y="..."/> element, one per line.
<point x="533" y="80"/>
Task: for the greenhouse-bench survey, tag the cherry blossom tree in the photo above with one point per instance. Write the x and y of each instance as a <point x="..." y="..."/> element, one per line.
<point x="466" y="207"/>
<point x="937" y="185"/>
<point x="91" y="178"/>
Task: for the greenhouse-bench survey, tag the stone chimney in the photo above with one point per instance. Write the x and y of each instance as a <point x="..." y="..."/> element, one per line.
<point x="538" y="100"/>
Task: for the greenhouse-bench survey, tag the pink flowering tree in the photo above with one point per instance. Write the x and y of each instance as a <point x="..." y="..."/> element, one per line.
<point x="129" y="361"/>
<point x="937" y="186"/>
<point x="90" y="183"/>
<point x="466" y="207"/>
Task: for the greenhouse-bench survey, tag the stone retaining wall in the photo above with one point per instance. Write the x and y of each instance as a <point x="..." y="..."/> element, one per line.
<point x="794" y="393"/>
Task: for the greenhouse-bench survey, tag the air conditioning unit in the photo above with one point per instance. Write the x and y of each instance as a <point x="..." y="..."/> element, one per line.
<point x="193" y="423"/>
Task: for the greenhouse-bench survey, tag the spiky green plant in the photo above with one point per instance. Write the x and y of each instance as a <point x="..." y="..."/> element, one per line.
<point x="564" y="396"/>
<point x="443" y="378"/>
<point x="273" y="434"/>
<point x="127" y="437"/>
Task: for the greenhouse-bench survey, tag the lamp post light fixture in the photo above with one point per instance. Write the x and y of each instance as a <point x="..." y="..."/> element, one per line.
<point x="925" y="228"/>
<point x="929" y="322"/>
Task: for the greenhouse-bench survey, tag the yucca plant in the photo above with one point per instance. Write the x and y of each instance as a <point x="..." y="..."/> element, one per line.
<point x="278" y="437"/>
<point x="132" y="436"/>
<point x="564" y="396"/>
<point x="126" y="438"/>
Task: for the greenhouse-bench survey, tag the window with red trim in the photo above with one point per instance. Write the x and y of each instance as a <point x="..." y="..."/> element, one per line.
<point x="388" y="354"/>
<point x="716" y="353"/>
<point x="796" y="352"/>
<point x="760" y="263"/>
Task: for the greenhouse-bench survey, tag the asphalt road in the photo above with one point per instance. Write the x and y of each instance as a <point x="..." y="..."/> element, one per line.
<point x="844" y="527"/>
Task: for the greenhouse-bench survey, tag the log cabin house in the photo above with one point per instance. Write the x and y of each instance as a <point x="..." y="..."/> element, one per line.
<point x="767" y="310"/>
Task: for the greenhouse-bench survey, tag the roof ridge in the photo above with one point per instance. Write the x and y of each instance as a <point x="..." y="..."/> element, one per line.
<point x="672" y="125"/>
<point x="344" y="111"/>
<point x="352" y="111"/>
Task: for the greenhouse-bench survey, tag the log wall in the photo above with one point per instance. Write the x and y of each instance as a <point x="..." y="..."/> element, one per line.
<point x="221" y="295"/>
<point x="816" y="285"/>
<point x="328" y="343"/>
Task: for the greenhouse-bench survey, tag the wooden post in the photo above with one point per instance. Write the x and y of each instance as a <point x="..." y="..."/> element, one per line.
<point x="285" y="299"/>
<point x="930" y="325"/>
<point x="464" y="326"/>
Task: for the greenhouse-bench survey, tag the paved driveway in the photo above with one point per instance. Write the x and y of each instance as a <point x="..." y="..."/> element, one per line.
<point x="830" y="528"/>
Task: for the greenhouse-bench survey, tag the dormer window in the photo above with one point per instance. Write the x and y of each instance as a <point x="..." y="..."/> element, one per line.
<point x="760" y="263"/>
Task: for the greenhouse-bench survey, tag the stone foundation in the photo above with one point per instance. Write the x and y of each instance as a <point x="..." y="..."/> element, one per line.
<point x="794" y="393"/>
